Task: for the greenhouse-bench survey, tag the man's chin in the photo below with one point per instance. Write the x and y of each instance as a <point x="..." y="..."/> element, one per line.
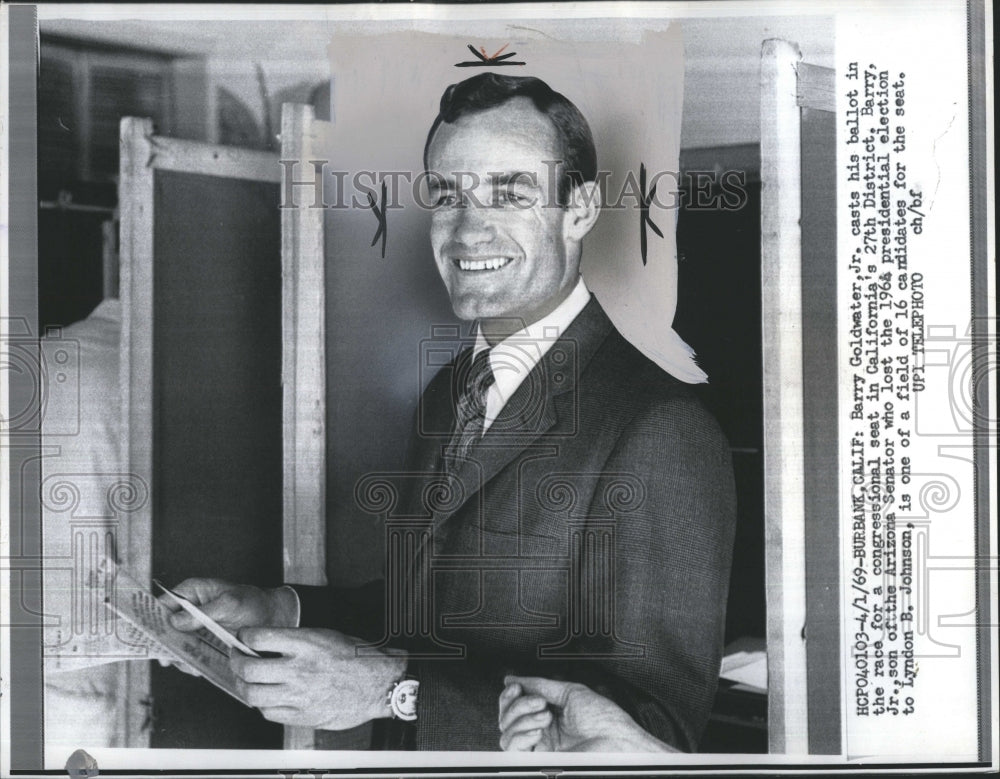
<point x="469" y="309"/>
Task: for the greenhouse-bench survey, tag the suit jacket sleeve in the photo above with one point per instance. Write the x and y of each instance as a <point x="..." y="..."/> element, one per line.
<point x="674" y="554"/>
<point x="356" y="611"/>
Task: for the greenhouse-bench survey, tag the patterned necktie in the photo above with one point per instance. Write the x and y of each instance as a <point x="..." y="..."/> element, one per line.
<point x="470" y="410"/>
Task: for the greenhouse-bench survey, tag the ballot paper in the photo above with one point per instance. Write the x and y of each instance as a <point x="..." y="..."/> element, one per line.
<point x="747" y="669"/>
<point x="205" y="650"/>
<point x="205" y="621"/>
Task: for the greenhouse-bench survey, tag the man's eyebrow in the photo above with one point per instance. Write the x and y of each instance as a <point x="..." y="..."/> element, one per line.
<point x="524" y="177"/>
<point x="439" y="185"/>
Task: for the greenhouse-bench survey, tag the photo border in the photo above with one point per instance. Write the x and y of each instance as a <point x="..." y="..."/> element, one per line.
<point x="21" y="658"/>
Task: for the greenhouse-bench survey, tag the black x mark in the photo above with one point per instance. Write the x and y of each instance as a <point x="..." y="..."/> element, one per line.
<point x="644" y="211"/>
<point x="484" y="61"/>
<point x="380" y="214"/>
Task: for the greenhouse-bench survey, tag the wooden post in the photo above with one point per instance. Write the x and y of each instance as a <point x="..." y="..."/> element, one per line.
<point x="781" y="322"/>
<point x="818" y="124"/>
<point x="303" y="368"/>
<point x="135" y="196"/>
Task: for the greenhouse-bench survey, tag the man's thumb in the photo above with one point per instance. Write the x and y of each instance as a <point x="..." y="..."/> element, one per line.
<point x="181" y="620"/>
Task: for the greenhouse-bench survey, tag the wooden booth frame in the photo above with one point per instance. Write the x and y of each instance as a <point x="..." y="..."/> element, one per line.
<point x="800" y="429"/>
<point x="303" y="349"/>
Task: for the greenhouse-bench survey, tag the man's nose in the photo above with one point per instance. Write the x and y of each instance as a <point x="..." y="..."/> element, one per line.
<point x="475" y="224"/>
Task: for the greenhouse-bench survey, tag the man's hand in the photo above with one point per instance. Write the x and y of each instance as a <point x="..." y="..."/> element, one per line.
<point x="321" y="679"/>
<point x="545" y="715"/>
<point x="235" y="606"/>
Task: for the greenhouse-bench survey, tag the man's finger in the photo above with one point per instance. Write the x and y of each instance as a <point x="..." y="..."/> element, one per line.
<point x="181" y="620"/>
<point x="180" y="665"/>
<point x="193" y="589"/>
<point x="509" y="694"/>
<point x="526" y="722"/>
<point x="521" y="742"/>
<point x="555" y="692"/>
<point x="524" y="706"/>
<point x="224" y="609"/>
<point x="201" y="591"/>
<point x="168" y="602"/>
<point x="262" y="696"/>
<point x="284" y="641"/>
<point x="188" y="669"/>
<point x="260" y="670"/>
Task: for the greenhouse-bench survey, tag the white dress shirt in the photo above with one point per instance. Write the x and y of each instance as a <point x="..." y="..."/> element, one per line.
<point x="514" y="358"/>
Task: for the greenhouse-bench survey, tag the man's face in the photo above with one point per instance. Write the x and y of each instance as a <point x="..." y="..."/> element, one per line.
<point x="499" y="241"/>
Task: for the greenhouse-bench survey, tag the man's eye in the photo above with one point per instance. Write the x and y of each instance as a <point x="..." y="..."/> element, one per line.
<point x="446" y="199"/>
<point x="506" y="197"/>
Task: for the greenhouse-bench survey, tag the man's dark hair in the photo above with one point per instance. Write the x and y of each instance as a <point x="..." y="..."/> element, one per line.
<point x="489" y="90"/>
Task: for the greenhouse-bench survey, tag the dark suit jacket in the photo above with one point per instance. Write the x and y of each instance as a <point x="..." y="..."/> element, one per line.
<point x="588" y="537"/>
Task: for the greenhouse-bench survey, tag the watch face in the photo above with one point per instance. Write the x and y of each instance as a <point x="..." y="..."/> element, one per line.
<point x="403" y="700"/>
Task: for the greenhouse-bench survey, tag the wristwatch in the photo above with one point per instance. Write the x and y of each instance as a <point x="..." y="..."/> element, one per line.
<point x="402" y="699"/>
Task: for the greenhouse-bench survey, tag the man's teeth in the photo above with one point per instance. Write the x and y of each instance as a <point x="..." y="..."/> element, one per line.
<point x="493" y="263"/>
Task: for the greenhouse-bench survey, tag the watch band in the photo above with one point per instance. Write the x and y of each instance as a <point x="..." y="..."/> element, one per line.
<point x="402" y="699"/>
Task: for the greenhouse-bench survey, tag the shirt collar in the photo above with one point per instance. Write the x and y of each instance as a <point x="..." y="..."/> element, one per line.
<point x="514" y="358"/>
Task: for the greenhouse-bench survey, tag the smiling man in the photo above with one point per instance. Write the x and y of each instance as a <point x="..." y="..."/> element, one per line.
<point x="580" y="499"/>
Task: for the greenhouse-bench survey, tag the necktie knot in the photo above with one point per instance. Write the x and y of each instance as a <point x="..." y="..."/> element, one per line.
<point x="479" y="380"/>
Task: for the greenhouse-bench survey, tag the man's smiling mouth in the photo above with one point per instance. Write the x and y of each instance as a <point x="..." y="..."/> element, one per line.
<point x="484" y="264"/>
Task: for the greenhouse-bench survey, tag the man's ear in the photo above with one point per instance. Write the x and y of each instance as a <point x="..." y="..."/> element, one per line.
<point x="582" y="210"/>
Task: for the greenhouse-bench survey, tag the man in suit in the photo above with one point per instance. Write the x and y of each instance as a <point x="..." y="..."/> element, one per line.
<point x="569" y="506"/>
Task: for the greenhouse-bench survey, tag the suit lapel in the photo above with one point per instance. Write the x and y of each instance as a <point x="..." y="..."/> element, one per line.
<point x="530" y="413"/>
